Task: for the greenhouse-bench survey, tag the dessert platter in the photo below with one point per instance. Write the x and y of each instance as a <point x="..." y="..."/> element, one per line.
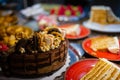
<point x="103" y="19"/>
<point x="103" y="47"/>
<point x="90" y="69"/>
<point x="75" y="31"/>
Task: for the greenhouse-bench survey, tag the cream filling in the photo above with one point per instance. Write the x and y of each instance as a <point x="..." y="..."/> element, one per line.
<point x="114" y="48"/>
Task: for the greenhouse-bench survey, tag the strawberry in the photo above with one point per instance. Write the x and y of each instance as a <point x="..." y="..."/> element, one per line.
<point x="80" y="9"/>
<point x="61" y="10"/>
<point x="72" y="12"/>
<point x="52" y="11"/>
<point x="3" y="47"/>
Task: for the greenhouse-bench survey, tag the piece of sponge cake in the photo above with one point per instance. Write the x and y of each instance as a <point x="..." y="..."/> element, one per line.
<point x="105" y="43"/>
<point x="72" y="29"/>
<point x="103" y="15"/>
<point x="103" y="70"/>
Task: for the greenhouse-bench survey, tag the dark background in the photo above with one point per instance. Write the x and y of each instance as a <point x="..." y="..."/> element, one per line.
<point x="86" y="4"/>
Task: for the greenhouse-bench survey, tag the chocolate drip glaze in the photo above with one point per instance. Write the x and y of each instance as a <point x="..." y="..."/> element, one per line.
<point x="50" y="60"/>
<point x="65" y="49"/>
<point x="24" y="65"/>
<point x="36" y="59"/>
<point x="59" y="55"/>
<point x="6" y="65"/>
<point x="35" y="43"/>
<point x="32" y="63"/>
<point x="30" y="45"/>
<point x="21" y="44"/>
<point x="64" y="52"/>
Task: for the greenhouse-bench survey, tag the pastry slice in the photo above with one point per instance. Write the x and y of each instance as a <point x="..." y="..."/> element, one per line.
<point x="105" y="43"/>
<point x="72" y="29"/>
<point x="103" y="15"/>
<point x="103" y="70"/>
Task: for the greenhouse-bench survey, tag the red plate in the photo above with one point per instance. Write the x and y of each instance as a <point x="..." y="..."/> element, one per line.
<point x="110" y="56"/>
<point x="79" y="69"/>
<point x="84" y="32"/>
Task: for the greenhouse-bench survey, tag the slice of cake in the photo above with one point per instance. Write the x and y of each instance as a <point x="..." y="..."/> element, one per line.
<point x="105" y="43"/>
<point x="72" y="29"/>
<point x="103" y="15"/>
<point x="103" y="70"/>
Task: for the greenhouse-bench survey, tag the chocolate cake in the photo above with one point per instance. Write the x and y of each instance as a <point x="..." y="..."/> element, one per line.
<point x="37" y="56"/>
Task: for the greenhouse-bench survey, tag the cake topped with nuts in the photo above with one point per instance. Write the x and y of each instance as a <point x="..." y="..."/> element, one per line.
<point x="39" y="55"/>
<point x="42" y="41"/>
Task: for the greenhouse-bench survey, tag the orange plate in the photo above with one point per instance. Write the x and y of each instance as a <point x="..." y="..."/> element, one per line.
<point x="84" y="32"/>
<point x="110" y="56"/>
<point x="79" y="69"/>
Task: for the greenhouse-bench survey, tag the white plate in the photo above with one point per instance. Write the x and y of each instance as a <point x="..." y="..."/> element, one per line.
<point x="112" y="28"/>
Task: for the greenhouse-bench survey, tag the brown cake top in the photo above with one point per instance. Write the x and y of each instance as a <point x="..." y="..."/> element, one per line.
<point x="46" y="40"/>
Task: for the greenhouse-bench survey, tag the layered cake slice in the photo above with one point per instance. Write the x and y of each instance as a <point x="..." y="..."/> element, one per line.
<point x="103" y="15"/>
<point x="72" y="29"/>
<point x="105" y="43"/>
<point x="103" y="70"/>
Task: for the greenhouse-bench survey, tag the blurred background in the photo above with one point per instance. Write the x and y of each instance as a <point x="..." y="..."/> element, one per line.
<point x="21" y="4"/>
<point x="39" y="14"/>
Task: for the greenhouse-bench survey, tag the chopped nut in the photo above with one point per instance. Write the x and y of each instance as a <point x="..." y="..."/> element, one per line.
<point x="22" y="50"/>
